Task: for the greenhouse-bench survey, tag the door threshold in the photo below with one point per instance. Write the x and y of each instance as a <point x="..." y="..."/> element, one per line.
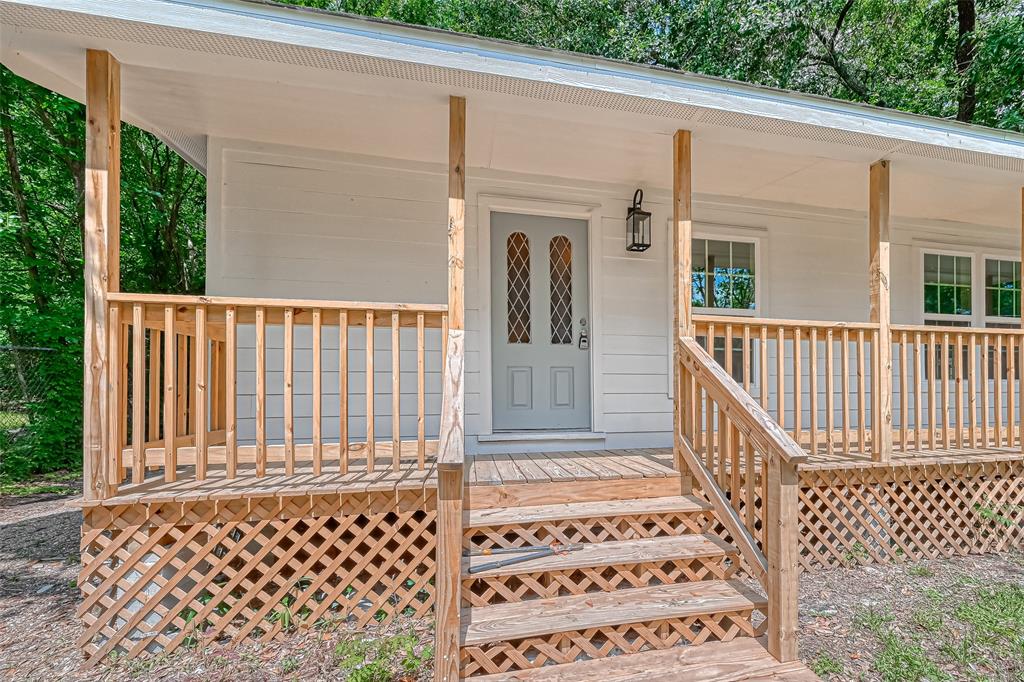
<point x="520" y="436"/>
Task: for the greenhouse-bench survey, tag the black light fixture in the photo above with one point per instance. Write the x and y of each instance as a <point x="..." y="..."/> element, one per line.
<point x="638" y="225"/>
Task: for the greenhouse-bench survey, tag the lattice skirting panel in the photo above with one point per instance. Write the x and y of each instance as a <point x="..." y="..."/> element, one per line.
<point x="910" y="512"/>
<point x="904" y="512"/>
<point x="155" y="577"/>
<point x="567" y="647"/>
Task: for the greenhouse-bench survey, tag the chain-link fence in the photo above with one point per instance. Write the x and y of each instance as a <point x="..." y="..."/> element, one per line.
<point x="22" y="385"/>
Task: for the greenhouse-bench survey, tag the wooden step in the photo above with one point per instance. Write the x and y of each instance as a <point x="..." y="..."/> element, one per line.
<point x="500" y="622"/>
<point x="741" y="659"/>
<point x="504" y="516"/>
<point x="611" y="553"/>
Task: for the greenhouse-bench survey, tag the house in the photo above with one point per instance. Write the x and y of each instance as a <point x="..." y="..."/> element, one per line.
<point x="467" y="294"/>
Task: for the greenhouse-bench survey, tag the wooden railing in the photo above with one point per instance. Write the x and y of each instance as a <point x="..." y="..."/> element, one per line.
<point x="749" y="474"/>
<point x="951" y="387"/>
<point x="956" y="387"/>
<point x="833" y="364"/>
<point x="174" y="400"/>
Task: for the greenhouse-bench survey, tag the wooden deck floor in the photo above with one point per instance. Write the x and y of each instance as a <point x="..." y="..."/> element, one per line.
<point x="513" y="469"/>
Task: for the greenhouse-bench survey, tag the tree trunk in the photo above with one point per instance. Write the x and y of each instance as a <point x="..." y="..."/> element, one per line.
<point x="965" y="48"/>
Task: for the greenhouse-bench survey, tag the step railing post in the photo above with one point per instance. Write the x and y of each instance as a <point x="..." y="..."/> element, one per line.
<point x="781" y="526"/>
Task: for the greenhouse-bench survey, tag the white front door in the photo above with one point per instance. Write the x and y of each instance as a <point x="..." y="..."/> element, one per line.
<point x="540" y="327"/>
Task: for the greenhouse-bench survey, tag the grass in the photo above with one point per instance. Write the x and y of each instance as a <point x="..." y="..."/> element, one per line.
<point x="361" y="659"/>
<point x="53" y="483"/>
<point x="973" y="630"/>
<point x="826" y="664"/>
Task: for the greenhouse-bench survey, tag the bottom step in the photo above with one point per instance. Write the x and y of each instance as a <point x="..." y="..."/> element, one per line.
<point x="742" y="659"/>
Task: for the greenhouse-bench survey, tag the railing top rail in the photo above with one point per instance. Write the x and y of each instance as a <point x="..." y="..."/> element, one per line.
<point x="739" y="320"/>
<point x="741" y="407"/>
<point x="973" y="331"/>
<point x="177" y="299"/>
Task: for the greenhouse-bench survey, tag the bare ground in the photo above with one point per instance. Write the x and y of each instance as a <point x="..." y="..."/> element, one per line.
<point x="844" y="615"/>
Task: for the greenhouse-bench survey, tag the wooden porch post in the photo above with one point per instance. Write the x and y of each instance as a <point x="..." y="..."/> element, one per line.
<point x="450" y="445"/>
<point x="682" y="265"/>
<point x="102" y="264"/>
<point x="878" y="285"/>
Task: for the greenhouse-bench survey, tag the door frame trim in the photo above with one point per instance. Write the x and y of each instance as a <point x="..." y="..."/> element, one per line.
<point x="553" y="208"/>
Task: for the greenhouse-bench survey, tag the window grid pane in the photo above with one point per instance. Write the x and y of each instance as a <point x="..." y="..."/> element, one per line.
<point x="947" y="284"/>
<point x="517" y="282"/>
<point x="723" y="274"/>
<point x="1002" y="288"/>
<point x="560" y="276"/>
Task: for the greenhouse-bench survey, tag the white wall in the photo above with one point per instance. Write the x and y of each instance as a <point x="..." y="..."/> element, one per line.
<point x="304" y="223"/>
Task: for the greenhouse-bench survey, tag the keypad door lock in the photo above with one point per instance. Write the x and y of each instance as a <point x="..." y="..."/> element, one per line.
<point x="584" y="337"/>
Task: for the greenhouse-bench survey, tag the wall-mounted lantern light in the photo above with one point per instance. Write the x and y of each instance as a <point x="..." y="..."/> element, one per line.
<point x="638" y="225"/>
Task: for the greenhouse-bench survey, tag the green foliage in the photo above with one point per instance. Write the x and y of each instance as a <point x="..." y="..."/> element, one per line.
<point x="826" y="664"/>
<point x="362" y="659"/>
<point x="872" y="619"/>
<point x="905" y="661"/>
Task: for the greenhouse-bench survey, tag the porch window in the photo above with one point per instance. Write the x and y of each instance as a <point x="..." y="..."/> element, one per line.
<point x="947" y="288"/>
<point x="517" y="282"/>
<point x="1002" y="288"/>
<point x="723" y="274"/>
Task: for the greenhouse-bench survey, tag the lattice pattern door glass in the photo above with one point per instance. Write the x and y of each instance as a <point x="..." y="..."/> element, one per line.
<point x="560" y="270"/>
<point x="517" y="255"/>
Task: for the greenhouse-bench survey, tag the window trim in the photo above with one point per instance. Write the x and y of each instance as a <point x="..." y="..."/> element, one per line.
<point x="725" y="234"/>
<point x="986" y="318"/>
<point x="940" y="317"/>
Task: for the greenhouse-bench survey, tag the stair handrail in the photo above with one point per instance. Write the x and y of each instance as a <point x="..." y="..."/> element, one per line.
<point x="777" y="565"/>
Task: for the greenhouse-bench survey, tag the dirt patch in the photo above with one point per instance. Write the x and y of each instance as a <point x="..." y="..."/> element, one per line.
<point x="944" y="619"/>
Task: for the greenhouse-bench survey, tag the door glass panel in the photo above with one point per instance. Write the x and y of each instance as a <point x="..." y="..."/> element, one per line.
<point x="560" y="271"/>
<point x="517" y="259"/>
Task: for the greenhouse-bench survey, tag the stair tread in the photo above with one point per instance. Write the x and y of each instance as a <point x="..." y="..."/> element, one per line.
<point x="612" y="552"/>
<point x="742" y="659"/>
<point x="499" y="516"/>
<point x="499" y="622"/>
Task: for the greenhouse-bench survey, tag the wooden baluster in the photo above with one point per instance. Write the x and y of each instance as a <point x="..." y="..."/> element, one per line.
<point x="931" y="390"/>
<point x="230" y="393"/>
<point x="155" y="352"/>
<point x="984" y="390"/>
<point x="904" y="398"/>
<point x="830" y="406"/>
<point x="762" y="377"/>
<point x="783" y="556"/>
<point x="138" y="395"/>
<point x="710" y="340"/>
<point x="1011" y="392"/>
<point x="728" y="349"/>
<point x="709" y="432"/>
<point x="1020" y="394"/>
<point x="798" y="386"/>
<point x="972" y="389"/>
<point x="318" y="441"/>
<point x="780" y="377"/>
<point x="115" y="454"/>
<point x="724" y="448"/>
<point x="261" y="391"/>
<point x="181" y="398"/>
<point x="199" y="391"/>
<point x="734" y="467"/>
<point x="919" y="378"/>
<point x="958" y="385"/>
<point x="122" y="444"/>
<point x="747" y="369"/>
<point x="844" y="379"/>
<point x="396" y="393"/>
<point x="861" y="395"/>
<point x="170" y="397"/>
<point x="945" y="390"/>
<point x="750" y="484"/>
<point x="997" y="391"/>
<point x="289" y="386"/>
<point x="812" y="375"/>
<point x="343" y="451"/>
<point x="371" y="444"/>
<point x="421" y="438"/>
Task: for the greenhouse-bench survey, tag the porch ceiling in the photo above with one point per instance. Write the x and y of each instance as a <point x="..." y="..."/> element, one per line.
<point x="207" y="94"/>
